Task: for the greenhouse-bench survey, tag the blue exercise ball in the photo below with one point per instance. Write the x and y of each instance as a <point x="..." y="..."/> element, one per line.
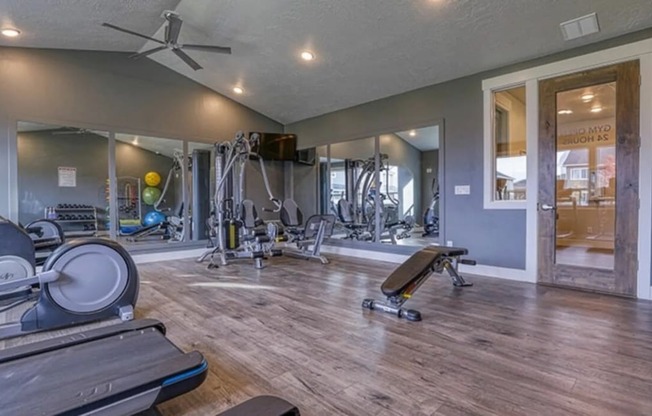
<point x="153" y="218"/>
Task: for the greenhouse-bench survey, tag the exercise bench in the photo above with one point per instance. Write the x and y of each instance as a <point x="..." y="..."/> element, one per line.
<point x="409" y="276"/>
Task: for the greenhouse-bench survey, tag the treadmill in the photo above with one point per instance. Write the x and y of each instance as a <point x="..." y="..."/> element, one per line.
<point x="118" y="370"/>
<point x="121" y="369"/>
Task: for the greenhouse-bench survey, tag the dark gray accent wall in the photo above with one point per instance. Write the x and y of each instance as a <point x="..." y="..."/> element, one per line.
<point x="306" y="188"/>
<point x="108" y="91"/>
<point x="41" y="153"/>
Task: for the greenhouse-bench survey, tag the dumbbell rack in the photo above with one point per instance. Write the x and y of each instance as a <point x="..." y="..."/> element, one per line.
<point x="75" y="226"/>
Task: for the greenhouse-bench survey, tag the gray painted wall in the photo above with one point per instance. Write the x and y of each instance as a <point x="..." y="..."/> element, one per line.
<point x="107" y="91"/>
<point x="493" y="237"/>
<point x="41" y="153"/>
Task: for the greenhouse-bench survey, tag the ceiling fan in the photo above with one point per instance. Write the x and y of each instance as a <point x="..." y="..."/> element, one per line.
<point x="172" y="31"/>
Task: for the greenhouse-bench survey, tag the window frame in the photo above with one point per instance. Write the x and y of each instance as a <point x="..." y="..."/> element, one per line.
<point x="490" y="200"/>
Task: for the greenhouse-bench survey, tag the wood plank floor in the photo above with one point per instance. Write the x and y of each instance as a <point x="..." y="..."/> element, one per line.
<point x="296" y="330"/>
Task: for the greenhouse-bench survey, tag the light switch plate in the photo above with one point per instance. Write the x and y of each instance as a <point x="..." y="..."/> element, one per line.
<point x="462" y="189"/>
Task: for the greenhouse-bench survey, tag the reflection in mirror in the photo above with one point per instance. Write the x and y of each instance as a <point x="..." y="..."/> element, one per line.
<point x="149" y="190"/>
<point x="202" y="185"/>
<point x="62" y="176"/>
<point x="325" y="198"/>
<point x="351" y="170"/>
<point x="410" y="185"/>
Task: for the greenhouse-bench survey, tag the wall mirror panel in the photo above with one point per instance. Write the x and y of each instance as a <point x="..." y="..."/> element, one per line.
<point x="150" y="190"/>
<point x="351" y="170"/>
<point x="63" y="176"/>
<point x="409" y="185"/>
<point x="383" y="190"/>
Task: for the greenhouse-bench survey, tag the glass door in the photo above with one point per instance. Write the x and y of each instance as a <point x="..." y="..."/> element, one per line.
<point x="588" y="183"/>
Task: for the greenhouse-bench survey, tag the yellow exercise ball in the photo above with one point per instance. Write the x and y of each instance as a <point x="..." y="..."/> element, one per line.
<point x="152" y="178"/>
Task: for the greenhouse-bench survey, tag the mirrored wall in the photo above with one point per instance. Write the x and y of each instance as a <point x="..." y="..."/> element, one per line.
<point x="142" y="191"/>
<point x="149" y="189"/>
<point x="384" y="190"/>
<point x="63" y="176"/>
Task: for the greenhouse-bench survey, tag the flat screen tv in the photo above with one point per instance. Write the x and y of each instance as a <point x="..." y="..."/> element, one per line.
<point x="276" y="146"/>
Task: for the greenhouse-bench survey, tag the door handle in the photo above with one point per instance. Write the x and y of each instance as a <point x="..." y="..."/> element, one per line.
<point x="546" y="207"/>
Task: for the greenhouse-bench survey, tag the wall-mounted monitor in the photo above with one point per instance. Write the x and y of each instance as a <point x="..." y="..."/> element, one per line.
<point x="276" y="146"/>
<point x="306" y="156"/>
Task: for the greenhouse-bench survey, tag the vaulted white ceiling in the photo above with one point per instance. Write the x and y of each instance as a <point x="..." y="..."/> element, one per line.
<point x="366" y="49"/>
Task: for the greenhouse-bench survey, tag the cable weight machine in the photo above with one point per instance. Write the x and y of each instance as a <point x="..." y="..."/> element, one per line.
<point x="237" y="232"/>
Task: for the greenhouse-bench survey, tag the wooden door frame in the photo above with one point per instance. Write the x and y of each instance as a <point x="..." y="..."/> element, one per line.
<point x="627" y="75"/>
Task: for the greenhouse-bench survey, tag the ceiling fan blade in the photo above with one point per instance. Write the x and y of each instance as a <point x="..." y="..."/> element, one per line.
<point x="191" y="62"/>
<point x="209" y="48"/>
<point x="173" y="29"/>
<point x="131" y="33"/>
<point x="148" y="52"/>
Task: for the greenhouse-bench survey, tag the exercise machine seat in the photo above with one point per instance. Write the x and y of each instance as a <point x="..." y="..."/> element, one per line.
<point x="291" y="215"/>
<point x="249" y="215"/>
<point x="263" y="406"/>
<point x="345" y="214"/>
<point x="416" y="266"/>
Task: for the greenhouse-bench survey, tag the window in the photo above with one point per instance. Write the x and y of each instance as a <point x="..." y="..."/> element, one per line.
<point x="579" y="174"/>
<point x="508" y="145"/>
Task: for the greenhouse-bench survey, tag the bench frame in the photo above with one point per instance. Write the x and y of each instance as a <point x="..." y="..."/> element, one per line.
<point x="442" y="260"/>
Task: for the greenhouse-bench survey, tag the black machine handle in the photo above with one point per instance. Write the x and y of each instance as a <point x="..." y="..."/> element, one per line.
<point x="277" y="205"/>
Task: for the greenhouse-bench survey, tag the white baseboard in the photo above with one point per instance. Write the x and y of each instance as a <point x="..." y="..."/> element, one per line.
<point x="364" y="254"/>
<point x="168" y="255"/>
<point x="480" y="270"/>
<point x="518" y="275"/>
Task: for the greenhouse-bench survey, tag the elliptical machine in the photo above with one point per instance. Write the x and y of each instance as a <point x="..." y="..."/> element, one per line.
<point x="431" y="216"/>
<point x="47" y="236"/>
<point x="81" y="281"/>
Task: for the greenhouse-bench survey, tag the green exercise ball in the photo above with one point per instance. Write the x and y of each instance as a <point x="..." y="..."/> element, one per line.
<point x="151" y="195"/>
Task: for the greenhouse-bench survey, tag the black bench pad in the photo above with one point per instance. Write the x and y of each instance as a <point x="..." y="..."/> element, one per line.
<point x="448" y="251"/>
<point x="263" y="406"/>
<point x="416" y="266"/>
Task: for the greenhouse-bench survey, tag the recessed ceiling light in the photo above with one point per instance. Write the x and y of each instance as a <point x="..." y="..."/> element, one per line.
<point x="412" y="133"/>
<point x="596" y="109"/>
<point x="565" y="112"/>
<point x="10" y="33"/>
<point x="587" y="97"/>
<point x="307" y="56"/>
<point x="238" y="90"/>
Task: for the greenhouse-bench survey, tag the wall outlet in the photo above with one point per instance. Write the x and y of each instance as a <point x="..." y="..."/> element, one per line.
<point x="449" y="243"/>
<point x="429" y="170"/>
<point x="462" y="189"/>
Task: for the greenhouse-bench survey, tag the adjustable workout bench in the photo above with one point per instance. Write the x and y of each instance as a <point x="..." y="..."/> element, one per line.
<point x="409" y="276"/>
